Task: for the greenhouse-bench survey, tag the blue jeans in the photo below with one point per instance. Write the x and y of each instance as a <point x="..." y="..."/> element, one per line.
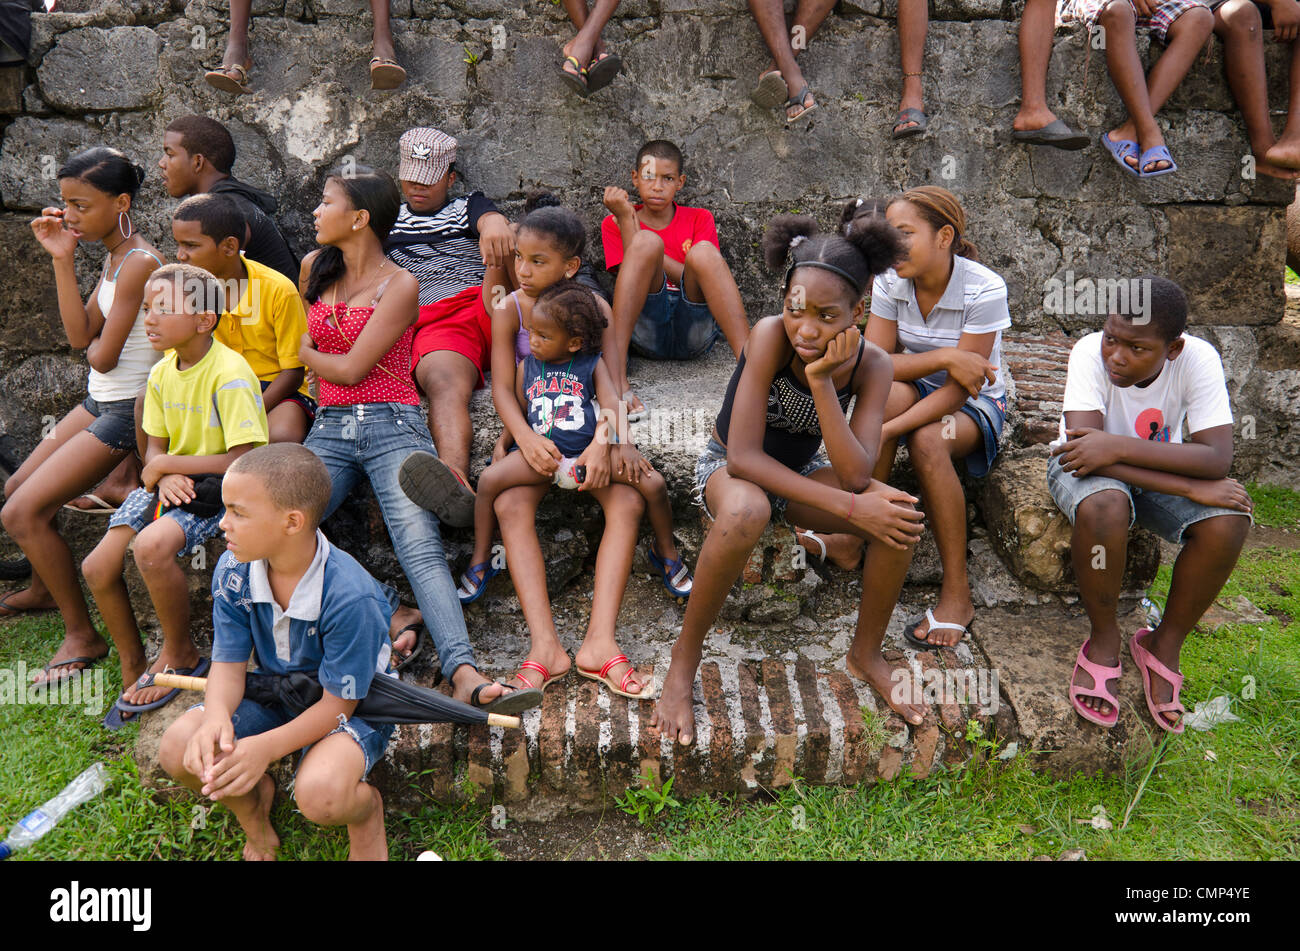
<point x="370" y="440"/>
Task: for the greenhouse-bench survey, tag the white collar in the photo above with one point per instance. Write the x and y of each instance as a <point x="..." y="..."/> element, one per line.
<point x="304" y="603"/>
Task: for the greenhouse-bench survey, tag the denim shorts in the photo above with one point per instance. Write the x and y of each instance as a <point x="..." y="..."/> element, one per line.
<point x="1166" y="515"/>
<point x="114" y="422"/>
<point x="673" y="328"/>
<point x="714" y="458"/>
<point x="989" y="415"/>
<point x="251" y="718"/>
<point x="137" y="512"/>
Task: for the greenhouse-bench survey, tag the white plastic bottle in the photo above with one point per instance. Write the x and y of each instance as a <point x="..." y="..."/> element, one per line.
<point x="40" y="821"/>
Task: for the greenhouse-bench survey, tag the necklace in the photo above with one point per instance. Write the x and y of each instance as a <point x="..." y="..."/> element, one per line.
<point x="348" y="296"/>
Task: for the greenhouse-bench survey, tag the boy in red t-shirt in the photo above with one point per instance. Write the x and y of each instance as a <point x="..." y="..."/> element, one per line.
<point x="674" y="295"/>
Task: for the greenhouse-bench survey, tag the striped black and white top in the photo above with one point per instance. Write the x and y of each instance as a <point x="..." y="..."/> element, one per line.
<point x="441" y="249"/>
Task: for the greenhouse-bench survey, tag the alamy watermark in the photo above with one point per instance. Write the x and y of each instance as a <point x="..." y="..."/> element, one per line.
<point x="1098" y="297"/>
<point x="84" y="689"/>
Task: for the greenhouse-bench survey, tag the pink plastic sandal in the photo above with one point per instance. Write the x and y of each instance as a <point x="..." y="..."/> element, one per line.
<point x="1100" y="675"/>
<point x="1147" y="663"/>
<point x="547" y="679"/>
<point x="603" y="676"/>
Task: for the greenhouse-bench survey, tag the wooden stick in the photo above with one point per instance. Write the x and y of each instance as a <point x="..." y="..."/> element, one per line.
<point x="500" y="719"/>
<point x="184" y="683"/>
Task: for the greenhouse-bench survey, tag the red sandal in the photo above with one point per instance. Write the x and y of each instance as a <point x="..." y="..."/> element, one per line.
<point x="547" y="679"/>
<point x="602" y="676"/>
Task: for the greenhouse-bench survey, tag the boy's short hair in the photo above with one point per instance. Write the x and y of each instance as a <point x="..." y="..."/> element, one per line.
<point x="1166" y="306"/>
<point x="661" y="149"/>
<point x="207" y="137"/>
<point x="218" y="216"/>
<point x="294" y="477"/>
<point x="197" y="290"/>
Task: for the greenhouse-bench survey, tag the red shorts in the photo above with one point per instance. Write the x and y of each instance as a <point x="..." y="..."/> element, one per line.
<point x="459" y="323"/>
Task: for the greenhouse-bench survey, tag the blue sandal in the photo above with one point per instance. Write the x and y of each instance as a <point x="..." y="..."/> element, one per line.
<point x="1155" y="154"/>
<point x="674" y="574"/>
<point x="1120" y="150"/>
<point x="474" y="581"/>
<point x="121" y="713"/>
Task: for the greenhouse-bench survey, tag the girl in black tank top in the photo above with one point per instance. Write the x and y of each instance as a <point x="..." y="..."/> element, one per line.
<point x="789" y="394"/>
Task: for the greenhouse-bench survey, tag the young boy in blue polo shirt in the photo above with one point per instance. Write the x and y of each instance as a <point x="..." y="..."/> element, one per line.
<point x="294" y="602"/>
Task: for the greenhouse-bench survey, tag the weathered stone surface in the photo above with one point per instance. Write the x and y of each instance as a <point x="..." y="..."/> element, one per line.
<point x="1031" y="533"/>
<point x="125" y="77"/>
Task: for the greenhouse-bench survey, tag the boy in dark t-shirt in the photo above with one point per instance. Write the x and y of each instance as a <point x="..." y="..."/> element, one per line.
<point x="448" y="244"/>
<point x="674" y="295"/>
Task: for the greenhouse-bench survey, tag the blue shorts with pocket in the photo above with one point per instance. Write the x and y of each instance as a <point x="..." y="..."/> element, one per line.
<point x="1166" y="515"/>
<point x="114" y="422"/>
<point x="251" y="718"/>
<point x="671" y="327"/>
<point x="989" y="415"/>
<point x="137" y="511"/>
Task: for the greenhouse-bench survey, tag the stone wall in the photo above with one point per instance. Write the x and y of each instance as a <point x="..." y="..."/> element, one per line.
<point x="117" y="72"/>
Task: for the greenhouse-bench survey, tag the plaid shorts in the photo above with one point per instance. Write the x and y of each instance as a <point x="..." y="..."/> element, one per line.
<point x="1167" y="11"/>
<point x="137" y="512"/>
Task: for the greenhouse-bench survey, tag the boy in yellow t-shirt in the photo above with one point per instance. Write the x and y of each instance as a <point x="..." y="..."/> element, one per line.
<point x="202" y="411"/>
<point x="264" y="320"/>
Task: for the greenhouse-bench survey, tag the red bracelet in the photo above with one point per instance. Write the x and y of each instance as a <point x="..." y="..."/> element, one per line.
<point x="852" y="498"/>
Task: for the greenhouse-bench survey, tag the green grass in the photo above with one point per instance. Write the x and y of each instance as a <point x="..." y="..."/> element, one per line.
<point x="1292" y="277"/>
<point x="1231" y="793"/>
<point x="1275" y="506"/>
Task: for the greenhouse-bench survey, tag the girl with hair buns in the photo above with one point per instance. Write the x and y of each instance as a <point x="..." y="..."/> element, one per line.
<point x="788" y="395"/>
<point x="941" y="314"/>
<point x="98" y="189"/>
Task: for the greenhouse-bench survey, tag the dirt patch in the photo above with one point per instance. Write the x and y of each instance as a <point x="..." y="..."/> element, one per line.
<point x="1262" y="536"/>
<point x="610" y="835"/>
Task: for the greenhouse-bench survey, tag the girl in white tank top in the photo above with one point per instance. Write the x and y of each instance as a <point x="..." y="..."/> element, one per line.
<point x="98" y="187"/>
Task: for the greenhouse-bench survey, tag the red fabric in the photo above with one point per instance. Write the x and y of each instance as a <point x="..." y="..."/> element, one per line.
<point x="458" y="323"/>
<point x="388" y="382"/>
<point x="689" y="227"/>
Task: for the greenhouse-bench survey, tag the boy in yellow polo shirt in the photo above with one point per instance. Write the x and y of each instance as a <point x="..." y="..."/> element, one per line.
<point x="202" y="411"/>
<point x="265" y="319"/>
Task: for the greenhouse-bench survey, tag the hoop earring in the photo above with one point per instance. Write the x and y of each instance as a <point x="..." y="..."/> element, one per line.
<point x="128" y="230"/>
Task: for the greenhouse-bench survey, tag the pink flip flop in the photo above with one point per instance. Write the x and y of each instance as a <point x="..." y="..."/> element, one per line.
<point x="1147" y="663"/>
<point x="1100" y="675"/>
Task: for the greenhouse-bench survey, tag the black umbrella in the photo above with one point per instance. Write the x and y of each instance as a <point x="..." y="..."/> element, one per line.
<point x="389" y="700"/>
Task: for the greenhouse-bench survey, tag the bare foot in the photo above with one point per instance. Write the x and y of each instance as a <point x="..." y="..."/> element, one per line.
<point x="955" y="610"/>
<point x="120" y="483"/>
<point x="1103" y="651"/>
<point x="634" y="404"/>
<point x="368" y="841"/>
<point x="674" y="712"/>
<point x="1027" y="120"/>
<point x="895" y="684"/>
<point x="262" y="843"/>
<point x="1284" y="153"/>
<point x="18" y="603"/>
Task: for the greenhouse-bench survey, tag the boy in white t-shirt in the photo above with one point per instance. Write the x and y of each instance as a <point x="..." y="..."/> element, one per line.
<point x="1121" y="458"/>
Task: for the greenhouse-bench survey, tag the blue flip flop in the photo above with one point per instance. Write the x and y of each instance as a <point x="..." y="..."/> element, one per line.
<point x="1121" y="150"/>
<point x="474" y="581"/>
<point x="115" y="719"/>
<point x="1155" y="154"/>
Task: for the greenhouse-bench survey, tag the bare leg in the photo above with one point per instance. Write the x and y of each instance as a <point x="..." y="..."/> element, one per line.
<point x="742" y="512"/>
<point x="640" y="274"/>
<point x="103" y="569"/>
<point x="1286" y="151"/>
<point x="707" y="278"/>
<point x="253" y="811"/>
<point x="155" y="555"/>
<point x="383" y="34"/>
<point x="1210" y="551"/>
<point x="913" y="23"/>
<point x="516" y="510"/>
<point x="329" y="791"/>
<point x="933" y="448"/>
<point x="237" y="41"/>
<point x="585" y="45"/>
<point x="1036" y="28"/>
<point x="1098" y="550"/>
<point x="288" y="422"/>
<point x="623" y="507"/>
<point x="448" y="378"/>
<point x="1144" y="98"/>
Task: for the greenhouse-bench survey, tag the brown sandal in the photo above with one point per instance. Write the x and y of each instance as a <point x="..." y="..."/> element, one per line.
<point x="222" y="78"/>
<point x="386" y="73"/>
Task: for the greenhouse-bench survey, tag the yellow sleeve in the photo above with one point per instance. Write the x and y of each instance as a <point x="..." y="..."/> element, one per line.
<point x="290" y="323"/>
<point x="239" y="407"/>
<point x="155" y="423"/>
